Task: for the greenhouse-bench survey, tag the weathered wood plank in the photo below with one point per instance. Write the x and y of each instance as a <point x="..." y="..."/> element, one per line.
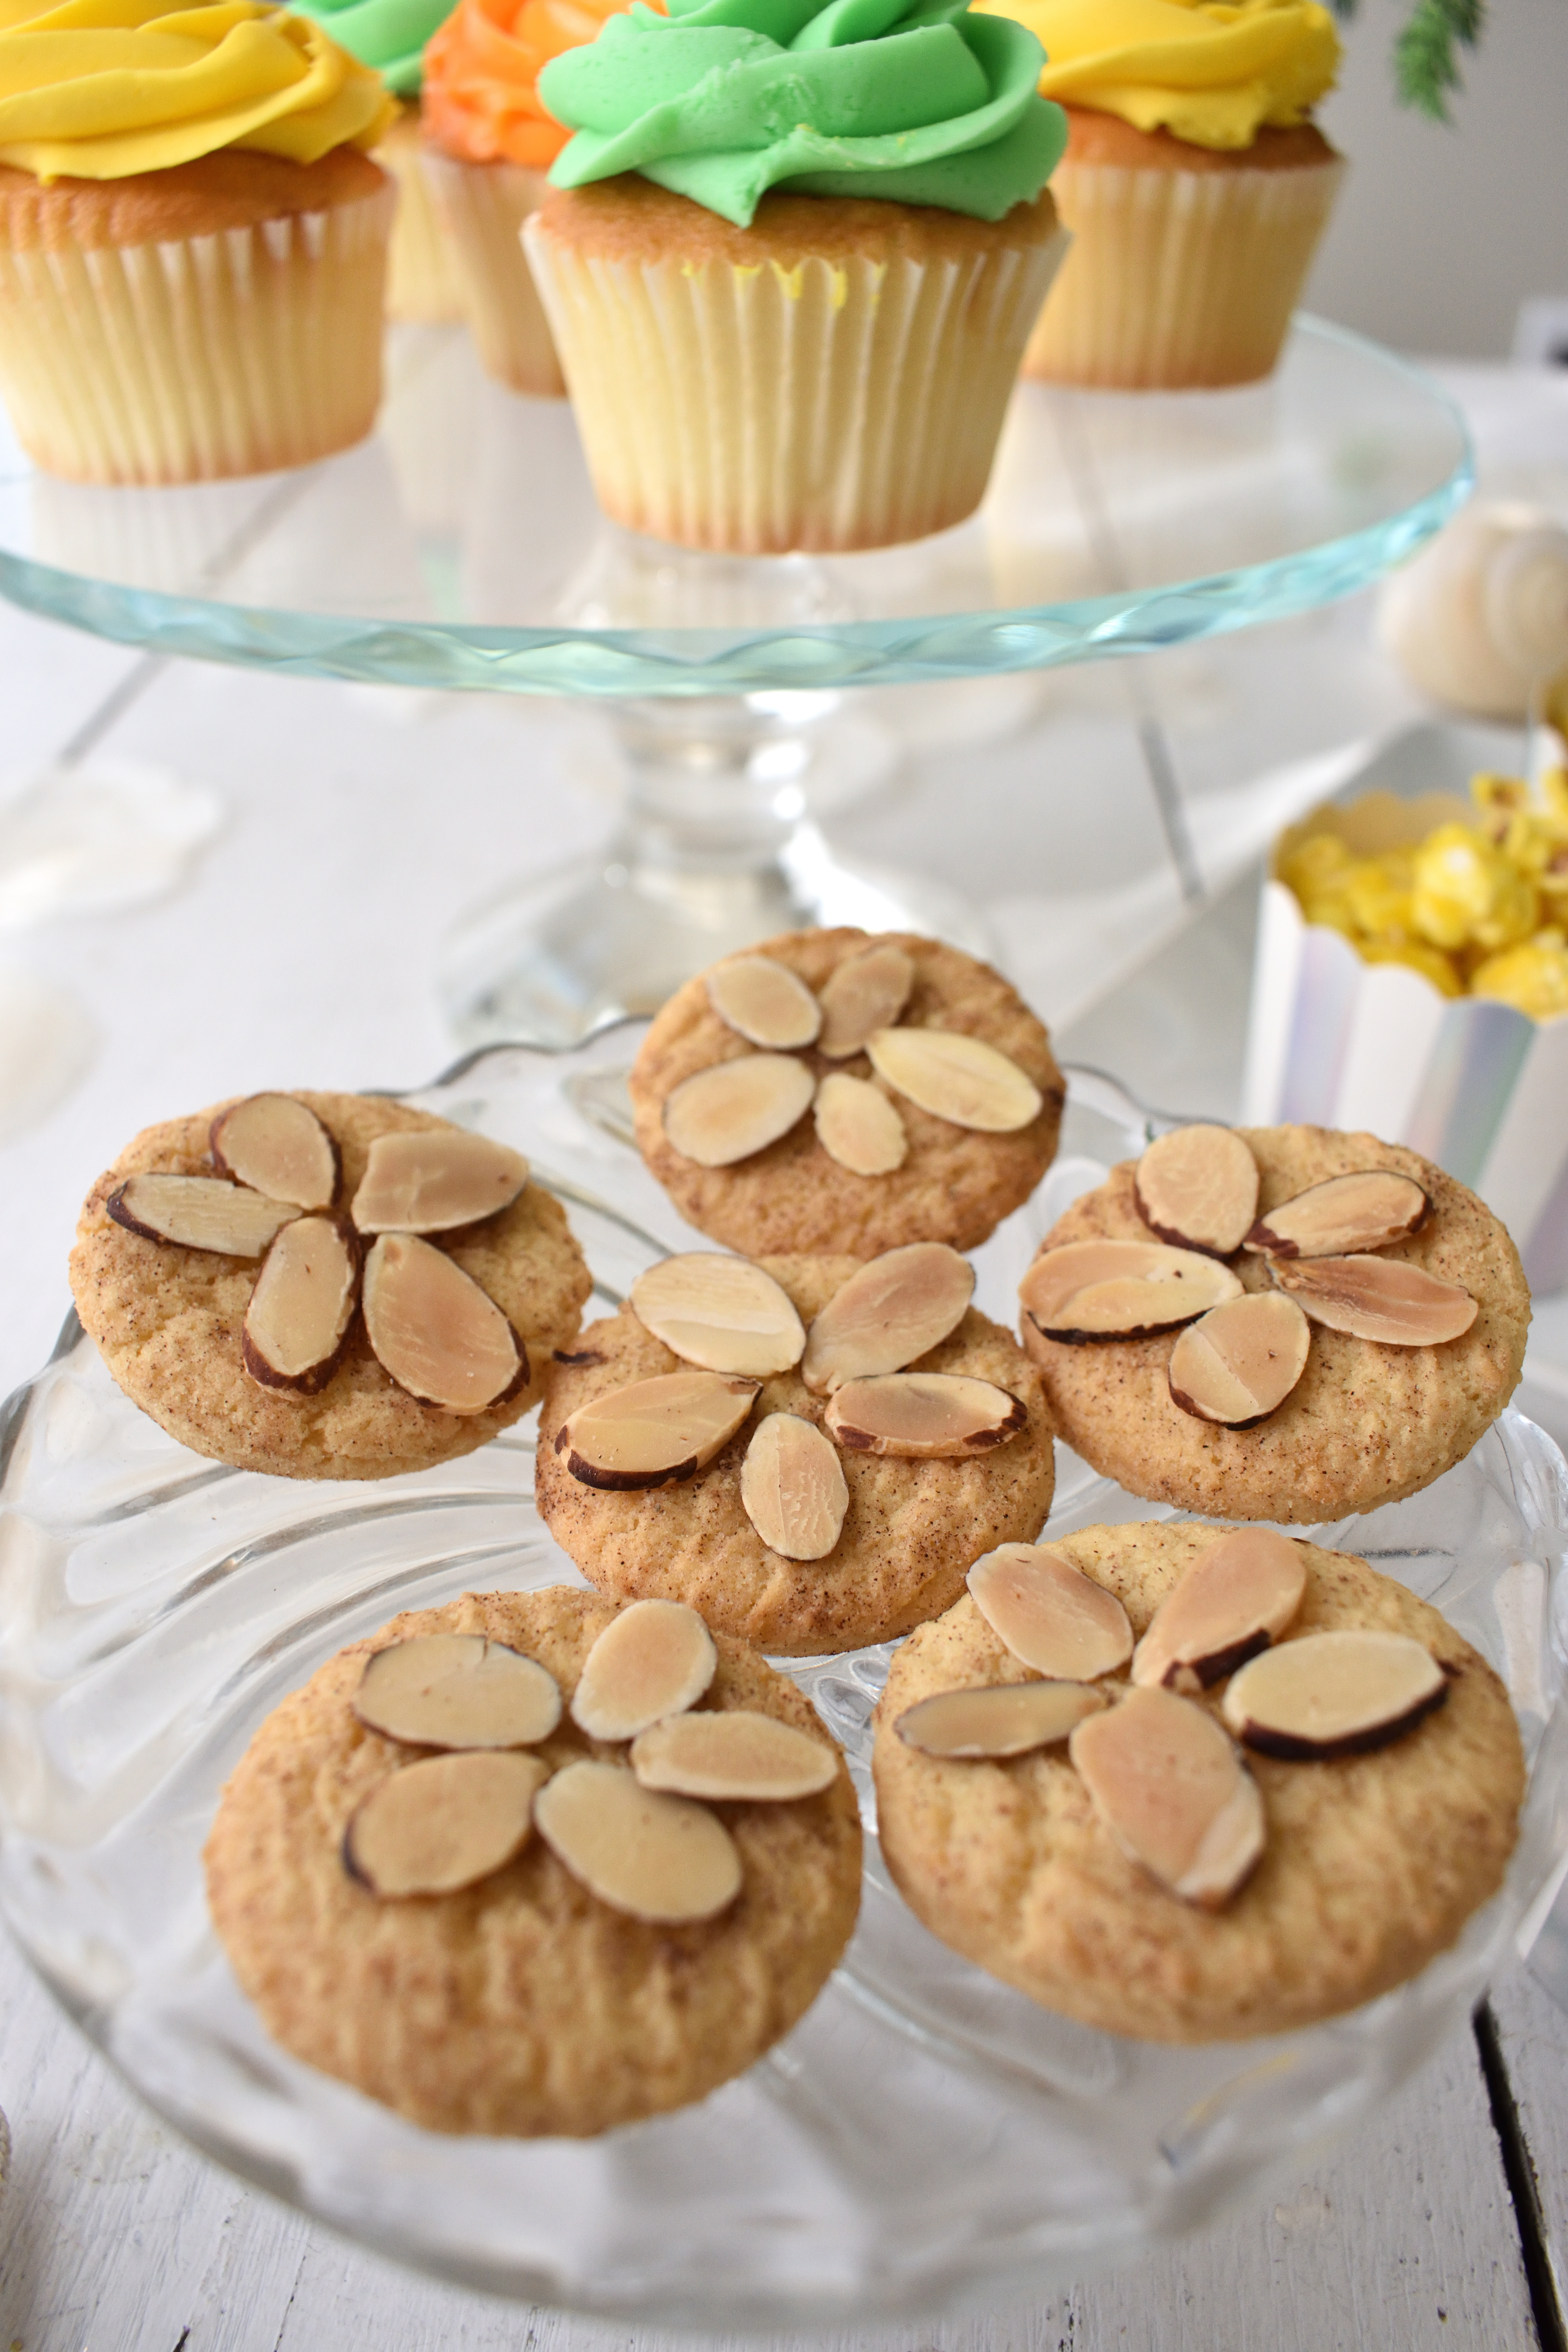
<point x="1532" y="2031"/>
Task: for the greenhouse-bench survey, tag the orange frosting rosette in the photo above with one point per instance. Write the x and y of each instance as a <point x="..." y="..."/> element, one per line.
<point x="481" y="100"/>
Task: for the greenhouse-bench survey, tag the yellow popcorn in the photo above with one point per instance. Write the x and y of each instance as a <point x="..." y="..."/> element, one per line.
<point x="1442" y="971"/>
<point x="1532" y="978"/>
<point x="1467" y="893"/>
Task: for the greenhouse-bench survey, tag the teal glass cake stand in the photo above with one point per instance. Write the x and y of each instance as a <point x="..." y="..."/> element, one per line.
<point x="460" y="547"/>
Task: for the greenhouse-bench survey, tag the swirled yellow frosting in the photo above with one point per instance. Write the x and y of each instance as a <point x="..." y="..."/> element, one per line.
<point x="1212" y="71"/>
<point x="98" y="90"/>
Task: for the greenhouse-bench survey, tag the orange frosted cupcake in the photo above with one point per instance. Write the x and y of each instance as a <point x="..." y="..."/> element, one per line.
<point x="193" y="239"/>
<point x="1195" y="185"/>
<point x="488" y="144"/>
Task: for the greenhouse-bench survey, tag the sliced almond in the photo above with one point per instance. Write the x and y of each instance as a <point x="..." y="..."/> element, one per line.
<point x="956" y="1077"/>
<point x="303" y="1304"/>
<point x="865" y="994"/>
<point x="435" y="1331"/>
<point x="654" y="1433"/>
<point x="1238" y="1595"/>
<point x="1050" y="1615"/>
<point x="928" y="1416"/>
<point x="1365" y="1211"/>
<point x="443" y="1823"/>
<point x="737" y="1755"/>
<point x="276" y="1144"/>
<point x="457" y="1690"/>
<point x="734" y="1108"/>
<point x="434" y="1181"/>
<point x="763" y="1001"/>
<point x="1236" y="1364"/>
<point x="656" y="1659"/>
<point x="858" y="1127"/>
<point x="656" y="1857"/>
<point x="997" y="1719"/>
<point x="724" y="1313"/>
<point x="1379" y="1298"/>
<point x="895" y="1308"/>
<point x="792" y="1485"/>
<point x="1334" y="1695"/>
<point x="1197" y="1187"/>
<point x="199" y="1212"/>
<point x="1122" y="1290"/>
<point x="1173" y="1792"/>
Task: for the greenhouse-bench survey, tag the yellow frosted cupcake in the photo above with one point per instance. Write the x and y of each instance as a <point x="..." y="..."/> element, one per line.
<point x="790" y="260"/>
<point x="193" y="239"/>
<point x="1195" y="185"/>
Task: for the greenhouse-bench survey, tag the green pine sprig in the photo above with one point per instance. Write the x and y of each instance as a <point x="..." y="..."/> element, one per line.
<point x="1426" y="55"/>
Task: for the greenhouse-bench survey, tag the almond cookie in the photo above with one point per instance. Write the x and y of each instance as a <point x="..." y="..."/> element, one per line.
<point x="186" y="1330"/>
<point x="1327" y="1871"/>
<point x="1325" y="1400"/>
<point x="522" y="2001"/>
<point x="782" y="1502"/>
<point x="893" y="1090"/>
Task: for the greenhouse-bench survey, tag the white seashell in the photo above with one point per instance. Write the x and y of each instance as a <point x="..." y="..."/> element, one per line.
<point x="1480" y="616"/>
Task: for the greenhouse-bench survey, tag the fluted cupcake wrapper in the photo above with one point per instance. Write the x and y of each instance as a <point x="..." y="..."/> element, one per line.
<point x="423" y="281"/>
<point x="484" y="206"/>
<point x="1178" y="278"/>
<point x="201" y="357"/>
<point x="829" y="404"/>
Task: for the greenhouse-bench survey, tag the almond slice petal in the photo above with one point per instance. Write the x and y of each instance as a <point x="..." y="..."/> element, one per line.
<point x="722" y="1313"/>
<point x="1334" y="1695"/>
<point x="956" y="1077"/>
<point x="763" y="1001"/>
<point x="1378" y="1298"/>
<point x="1237" y="1364"/>
<point x="1344" y="1214"/>
<point x="858" y="1127"/>
<point x="1120" y="1290"/>
<point x="1197" y="1187"/>
<point x="433" y="1181"/>
<point x="865" y="993"/>
<point x="656" y="1857"/>
<point x="457" y="1691"/>
<point x="925" y="1416"/>
<point x="303" y="1304"/>
<point x="656" y="1659"/>
<point x="793" y="1489"/>
<point x="654" y="1433"/>
<point x="276" y="1144"/>
<point x="1050" y="1615"/>
<point x="443" y="1823"/>
<point x="1173" y="1792"/>
<point x="737" y="1755"/>
<point x="997" y="1719"/>
<point x="199" y="1212"/>
<point x="1238" y="1595"/>
<point x="898" y="1306"/>
<point x="435" y="1331"/>
<point x="727" y="1112"/>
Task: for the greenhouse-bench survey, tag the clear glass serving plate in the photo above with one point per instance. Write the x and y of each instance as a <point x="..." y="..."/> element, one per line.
<point x="926" y="2139"/>
<point x="460" y="546"/>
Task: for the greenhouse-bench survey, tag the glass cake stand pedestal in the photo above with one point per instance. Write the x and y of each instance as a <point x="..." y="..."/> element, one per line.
<point x="460" y="547"/>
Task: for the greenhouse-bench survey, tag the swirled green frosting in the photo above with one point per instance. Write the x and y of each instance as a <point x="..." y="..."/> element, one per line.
<point x="389" y="35"/>
<point x="721" y="100"/>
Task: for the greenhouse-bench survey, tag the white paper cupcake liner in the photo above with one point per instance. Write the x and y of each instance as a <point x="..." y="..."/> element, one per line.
<point x="187" y="361"/>
<point x="484" y="206"/>
<point x="423" y="281"/>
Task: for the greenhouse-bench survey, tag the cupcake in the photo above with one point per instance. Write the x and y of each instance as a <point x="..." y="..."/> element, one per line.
<point x="791" y="279"/>
<point x="1195" y="185"/>
<point x="422" y="279"/>
<point x="193" y="240"/>
<point x="488" y="144"/>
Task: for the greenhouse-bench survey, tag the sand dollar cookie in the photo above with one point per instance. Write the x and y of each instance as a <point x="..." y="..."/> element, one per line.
<point x="325" y="1286"/>
<point x="1196" y="1849"/>
<point x="1292" y="1324"/>
<point x="809" y="1450"/>
<point x="833" y="1091"/>
<point x="435" y="1884"/>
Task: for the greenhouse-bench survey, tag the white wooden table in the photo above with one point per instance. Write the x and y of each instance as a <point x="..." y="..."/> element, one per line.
<point x="1443" y="2224"/>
